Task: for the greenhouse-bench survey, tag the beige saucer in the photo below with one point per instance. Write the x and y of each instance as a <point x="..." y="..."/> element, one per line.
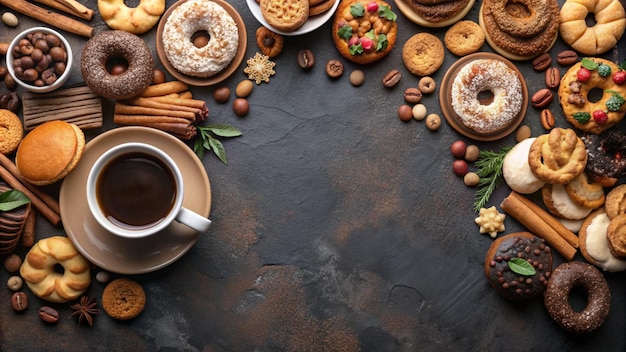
<point x="132" y="256"/>
<point x="219" y="77"/>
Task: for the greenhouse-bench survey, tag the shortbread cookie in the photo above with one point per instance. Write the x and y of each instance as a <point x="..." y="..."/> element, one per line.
<point x="585" y="192"/>
<point x="320" y="7"/>
<point x="11" y="131"/>
<point x="616" y="234"/>
<point x="285" y="15"/>
<point x="423" y="54"/>
<point x="615" y="203"/>
<point x="464" y="37"/>
<point x="560" y="204"/>
<point x="123" y="299"/>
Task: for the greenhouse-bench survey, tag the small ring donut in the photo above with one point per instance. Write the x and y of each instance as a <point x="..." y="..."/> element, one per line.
<point x="109" y="45"/>
<point x="136" y="20"/>
<point x="189" y="18"/>
<point x="486" y="75"/>
<point x="606" y="153"/>
<point x="523" y="18"/>
<point x="38" y="270"/>
<point x="564" y="279"/>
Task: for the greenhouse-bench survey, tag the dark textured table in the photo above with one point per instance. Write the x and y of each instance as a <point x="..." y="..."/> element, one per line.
<point x="337" y="227"/>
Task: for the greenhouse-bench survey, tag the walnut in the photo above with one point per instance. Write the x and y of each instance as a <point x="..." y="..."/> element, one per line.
<point x="490" y="221"/>
<point x="260" y="68"/>
<point x="270" y="43"/>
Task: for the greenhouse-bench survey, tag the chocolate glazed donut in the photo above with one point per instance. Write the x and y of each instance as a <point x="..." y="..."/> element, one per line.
<point x="606" y="153"/>
<point x="564" y="279"/>
<point x="116" y="44"/>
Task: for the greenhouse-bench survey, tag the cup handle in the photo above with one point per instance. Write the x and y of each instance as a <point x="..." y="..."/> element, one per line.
<point x="193" y="220"/>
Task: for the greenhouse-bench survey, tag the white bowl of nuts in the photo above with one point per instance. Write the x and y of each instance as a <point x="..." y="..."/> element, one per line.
<point x="39" y="59"/>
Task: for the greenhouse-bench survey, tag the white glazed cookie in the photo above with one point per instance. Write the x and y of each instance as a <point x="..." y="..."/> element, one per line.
<point x="516" y="171"/>
<point x="189" y="18"/>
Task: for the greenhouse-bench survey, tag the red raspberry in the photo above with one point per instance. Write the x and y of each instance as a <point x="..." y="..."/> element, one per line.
<point x="583" y="75"/>
<point x="600" y="116"/>
<point x="619" y="77"/>
<point x="372" y="7"/>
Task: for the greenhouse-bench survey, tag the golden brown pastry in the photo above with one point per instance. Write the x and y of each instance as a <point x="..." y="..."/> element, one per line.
<point x="557" y="157"/>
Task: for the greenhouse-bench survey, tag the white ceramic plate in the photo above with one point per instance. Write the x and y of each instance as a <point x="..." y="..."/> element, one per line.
<point x="132" y="256"/>
<point x="313" y="23"/>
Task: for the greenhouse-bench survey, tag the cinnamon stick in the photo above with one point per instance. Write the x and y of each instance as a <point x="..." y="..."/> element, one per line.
<point x="165" y="88"/>
<point x="71" y="7"/>
<point x="122" y="119"/>
<point x="49" y="17"/>
<point x="41" y="206"/>
<point x="45" y="197"/>
<point x="28" y="232"/>
<point x="194" y="103"/>
<point x="537" y="225"/>
<point x="180" y="130"/>
<point x="151" y="103"/>
<point x="124" y="109"/>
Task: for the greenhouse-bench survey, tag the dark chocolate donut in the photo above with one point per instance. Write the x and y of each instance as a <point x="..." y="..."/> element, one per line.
<point x="509" y="284"/>
<point x="606" y="153"/>
<point x="585" y="276"/>
<point x="111" y="45"/>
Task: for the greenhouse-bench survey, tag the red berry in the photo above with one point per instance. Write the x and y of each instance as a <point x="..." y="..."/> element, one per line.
<point x="600" y="116"/>
<point x="367" y="43"/>
<point x="583" y="75"/>
<point x="372" y="7"/>
<point x="619" y="77"/>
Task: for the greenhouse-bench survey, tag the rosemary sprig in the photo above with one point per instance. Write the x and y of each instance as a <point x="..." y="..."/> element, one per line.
<point x="489" y="165"/>
<point x="206" y="139"/>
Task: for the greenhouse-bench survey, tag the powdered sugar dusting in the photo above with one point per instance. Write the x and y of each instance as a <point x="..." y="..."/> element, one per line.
<point x="486" y="75"/>
<point x="189" y="18"/>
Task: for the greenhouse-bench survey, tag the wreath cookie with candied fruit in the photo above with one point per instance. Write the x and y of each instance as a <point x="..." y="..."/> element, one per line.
<point x="364" y="31"/>
<point x="592" y="95"/>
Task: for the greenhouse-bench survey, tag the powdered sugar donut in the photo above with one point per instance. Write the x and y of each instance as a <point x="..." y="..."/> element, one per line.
<point x="195" y="16"/>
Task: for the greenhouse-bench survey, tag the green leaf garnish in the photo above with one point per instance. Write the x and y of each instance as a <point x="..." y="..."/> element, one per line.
<point x="385" y="12"/>
<point x="582" y="117"/>
<point x="357" y="10"/>
<point x="371" y="34"/>
<point x="489" y="165"/>
<point x="345" y="32"/>
<point x="588" y="63"/>
<point x="521" y="266"/>
<point x="12" y="199"/>
<point x="206" y="139"/>
<point x="382" y="42"/>
<point x="356" y="49"/>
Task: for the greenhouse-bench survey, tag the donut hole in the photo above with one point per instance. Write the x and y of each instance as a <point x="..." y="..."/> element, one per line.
<point x="58" y="268"/>
<point x="517" y="9"/>
<point x="131" y="3"/>
<point x="485" y="97"/>
<point x="200" y="38"/>
<point x="578" y="299"/>
<point x="590" y="20"/>
<point x="116" y="65"/>
<point x="595" y="95"/>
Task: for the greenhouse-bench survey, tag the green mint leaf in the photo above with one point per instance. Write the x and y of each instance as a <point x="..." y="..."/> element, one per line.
<point x="622" y="66"/>
<point x="370" y="34"/>
<point x="582" y="117"/>
<point x="521" y="266"/>
<point x="218" y="149"/>
<point x="382" y="42"/>
<point x="589" y="63"/>
<point x="224" y="130"/>
<point x="12" y="199"/>
<point x="356" y="49"/>
<point x="385" y="12"/>
<point x="345" y="32"/>
<point x="357" y="10"/>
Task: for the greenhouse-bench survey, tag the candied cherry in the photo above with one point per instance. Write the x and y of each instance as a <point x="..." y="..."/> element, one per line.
<point x="583" y="75"/>
<point x="367" y="43"/>
<point x="600" y="116"/>
<point x="619" y="77"/>
<point x="372" y="7"/>
<point x="354" y="40"/>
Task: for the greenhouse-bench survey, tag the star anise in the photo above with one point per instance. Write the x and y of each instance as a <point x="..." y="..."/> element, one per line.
<point x="85" y="309"/>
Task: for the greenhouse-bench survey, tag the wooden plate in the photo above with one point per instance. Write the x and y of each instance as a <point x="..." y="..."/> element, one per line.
<point x="453" y="119"/>
<point x="417" y="19"/>
<point x="219" y="77"/>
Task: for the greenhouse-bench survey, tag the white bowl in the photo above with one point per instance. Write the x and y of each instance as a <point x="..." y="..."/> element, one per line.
<point x="60" y="80"/>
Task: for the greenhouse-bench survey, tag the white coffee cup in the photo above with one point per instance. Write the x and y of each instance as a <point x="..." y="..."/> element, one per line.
<point x="135" y="190"/>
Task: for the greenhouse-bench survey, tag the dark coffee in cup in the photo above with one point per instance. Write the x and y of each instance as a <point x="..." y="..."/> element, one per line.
<point x="136" y="190"/>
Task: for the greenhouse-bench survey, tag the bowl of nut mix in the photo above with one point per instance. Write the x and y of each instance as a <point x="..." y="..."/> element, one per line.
<point x="39" y="59"/>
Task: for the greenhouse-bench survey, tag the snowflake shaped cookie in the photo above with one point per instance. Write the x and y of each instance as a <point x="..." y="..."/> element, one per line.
<point x="490" y="221"/>
<point x="260" y="68"/>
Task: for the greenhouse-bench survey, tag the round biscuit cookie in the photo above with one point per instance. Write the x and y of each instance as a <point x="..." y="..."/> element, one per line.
<point x="11" y="131"/>
<point x="464" y="37"/>
<point x="123" y="299"/>
<point x="423" y="54"/>
<point x="285" y="15"/>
